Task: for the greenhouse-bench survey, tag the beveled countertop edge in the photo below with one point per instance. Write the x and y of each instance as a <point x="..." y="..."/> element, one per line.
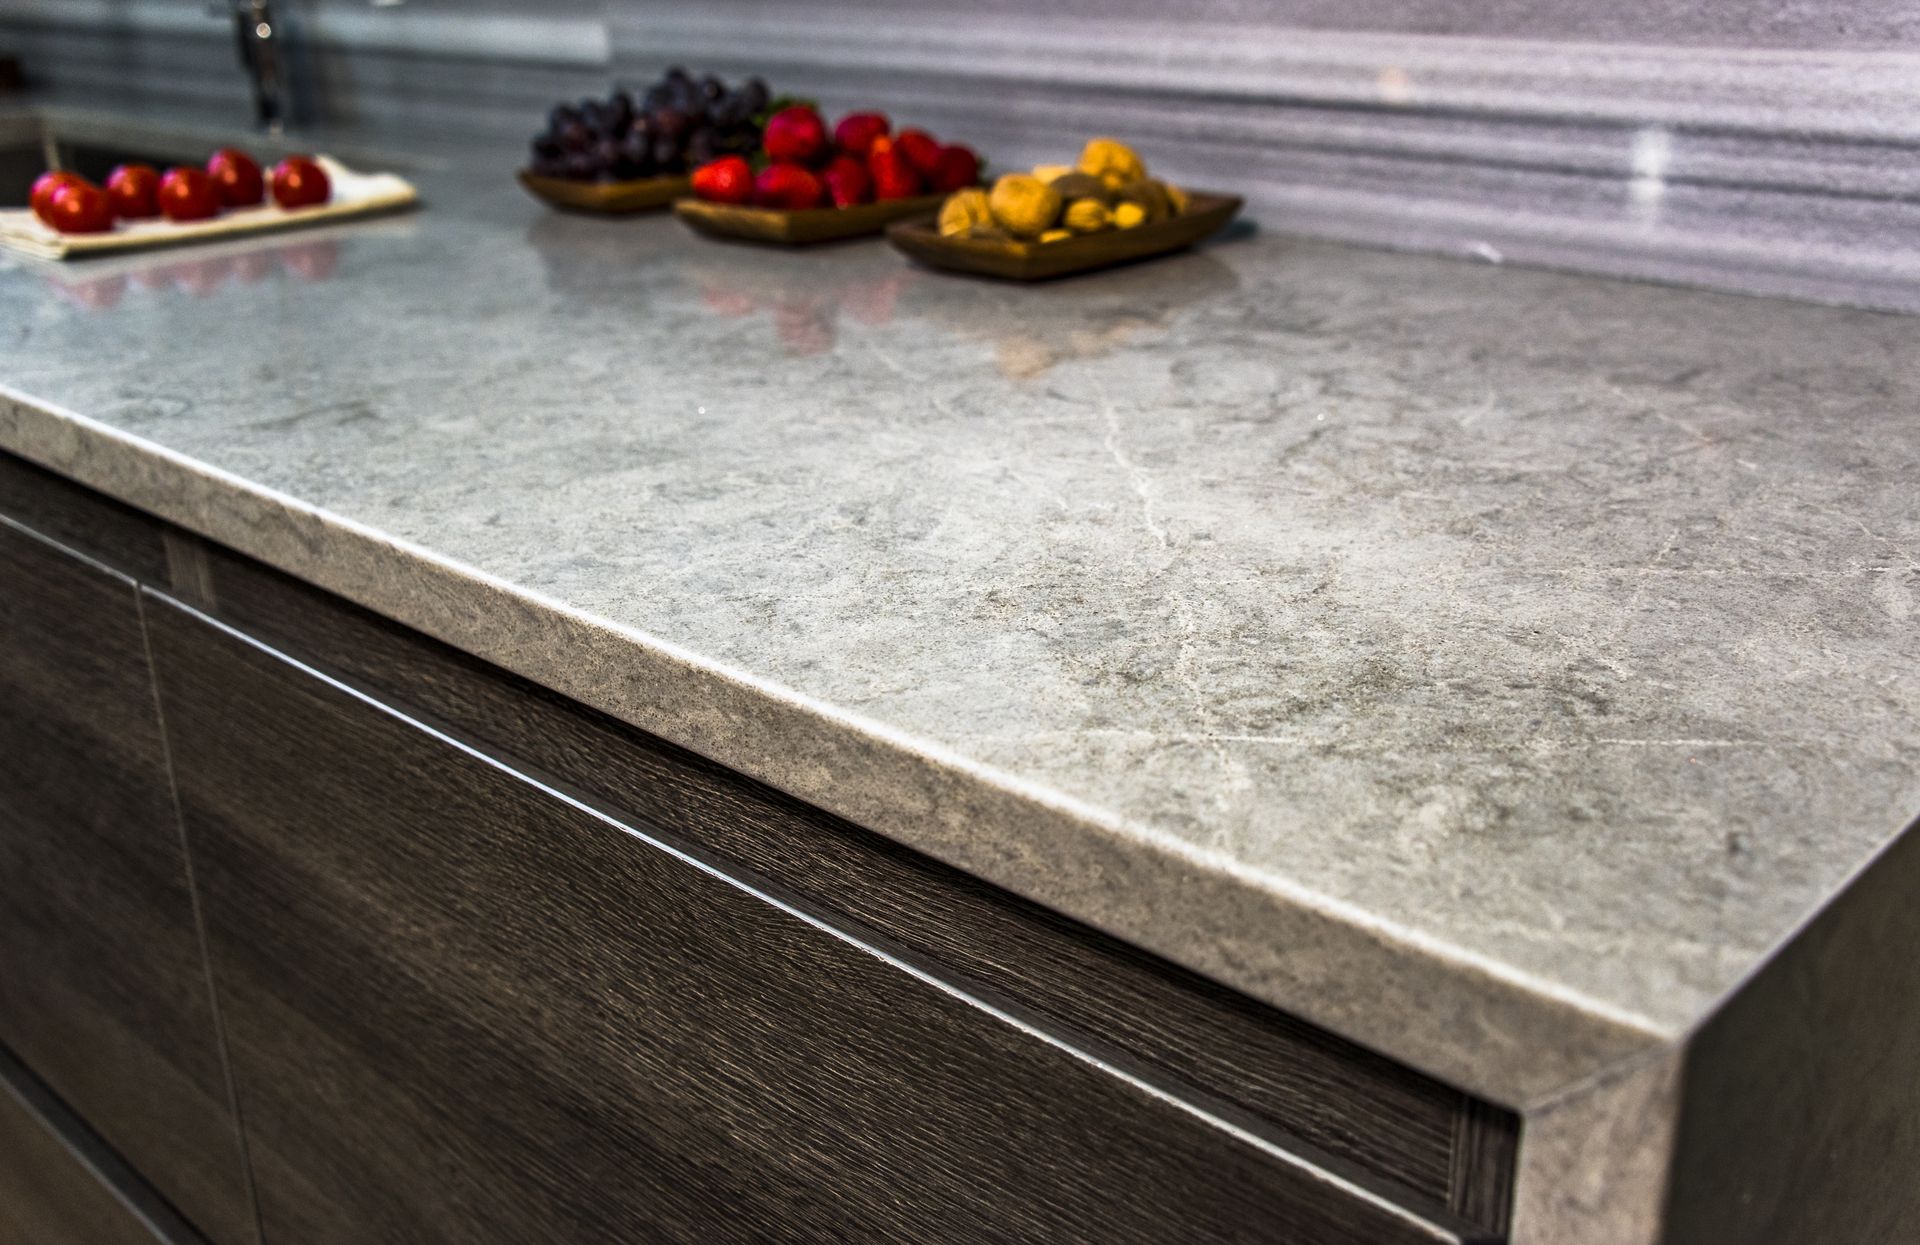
<point x="1483" y="1026"/>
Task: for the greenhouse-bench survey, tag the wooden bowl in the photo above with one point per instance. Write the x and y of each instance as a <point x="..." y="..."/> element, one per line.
<point x="801" y="228"/>
<point x="1040" y="261"/>
<point x="646" y="194"/>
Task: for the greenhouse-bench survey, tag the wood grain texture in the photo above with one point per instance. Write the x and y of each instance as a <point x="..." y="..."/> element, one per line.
<point x="1418" y="1140"/>
<point x="801" y="227"/>
<point x="1485" y="1149"/>
<point x="644" y="194"/>
<point x="61" y="1185"/>
<point x="126" y="539"/>
<point x="103" y="991"/>
<point x="461" y="1008"/>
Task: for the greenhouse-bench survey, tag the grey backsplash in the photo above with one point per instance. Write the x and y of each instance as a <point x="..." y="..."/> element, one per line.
<point x="1770" y="146"/>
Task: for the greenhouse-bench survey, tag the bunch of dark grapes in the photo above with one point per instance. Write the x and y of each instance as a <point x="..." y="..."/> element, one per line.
<point x="680" y="122"/>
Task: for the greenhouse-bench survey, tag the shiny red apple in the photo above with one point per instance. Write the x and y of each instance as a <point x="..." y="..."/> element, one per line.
<point x="80" y="207"/>
<point x="237" y="178"/>
<point x="43" y="188"/>
<point x="298" y="182"/>
<point x="135" y="191"/>
<point x="187" y="193"/>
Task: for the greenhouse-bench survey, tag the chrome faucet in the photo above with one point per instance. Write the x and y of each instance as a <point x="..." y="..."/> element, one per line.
<point x="259" y="40"/>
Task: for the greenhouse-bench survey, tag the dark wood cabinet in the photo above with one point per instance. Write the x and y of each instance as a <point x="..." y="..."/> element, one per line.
<point x="320" y="931"/>
<point x="1414" y="1139"/>
<point x="464" y="1005"/>
<point x="61" y="1185"/>
<point x="47" y="1195"/>
<point x="103" y="990"/>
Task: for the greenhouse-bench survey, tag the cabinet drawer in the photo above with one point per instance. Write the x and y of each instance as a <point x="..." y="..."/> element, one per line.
<point x="78" y="518"/>
<point x="103" y="992"/>
<point x="60" y="1185"/>
<point x="1418" y="1141"/>
<point x="464" y="1005"/>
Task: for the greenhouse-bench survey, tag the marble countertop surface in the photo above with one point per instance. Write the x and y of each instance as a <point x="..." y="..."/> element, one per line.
<point x="1490" y="665"/>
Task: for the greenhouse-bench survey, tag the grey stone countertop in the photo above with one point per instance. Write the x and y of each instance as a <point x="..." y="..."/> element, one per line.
<point x="1490" y="665"/>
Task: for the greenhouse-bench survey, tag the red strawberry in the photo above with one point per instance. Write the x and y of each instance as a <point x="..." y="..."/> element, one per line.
<point x="893" y="175"/>
<point x="788" y="186"/>
<point x="922" y="150"/>
<point x="848" y="182"/>
<point x="796" y="135"/>
<point x="857" y="130"/>
<point x="726" y="180"/>
<point x="956" y="169"/>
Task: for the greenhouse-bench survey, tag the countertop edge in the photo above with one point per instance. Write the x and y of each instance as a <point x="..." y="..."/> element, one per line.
<point x="1489" y="1029"/>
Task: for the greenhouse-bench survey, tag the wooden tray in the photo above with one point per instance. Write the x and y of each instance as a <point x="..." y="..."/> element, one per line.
<point x="1039" y="261"/>
<point x="809" y="225"/>
<point x="646" y="194"/>
<point x="354" y="194"/>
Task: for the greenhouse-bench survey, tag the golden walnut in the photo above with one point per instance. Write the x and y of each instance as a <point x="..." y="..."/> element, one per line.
<point x="1024" y="205"/>
<point x="1150" y="195"/>
<point x="1078" y="185"/>
<point x="1087" y="216"/>
<point x="1112" y="161"/>
<point x="963" y="211"/>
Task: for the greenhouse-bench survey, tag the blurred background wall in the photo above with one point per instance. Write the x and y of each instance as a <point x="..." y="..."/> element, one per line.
<point x="1770" y="146"/>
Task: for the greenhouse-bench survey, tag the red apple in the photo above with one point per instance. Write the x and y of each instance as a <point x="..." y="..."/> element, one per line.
<point x="80" y="207"/>
<point x="187" y="193"/>
<point x="135" y="191"/>
<point x="237" y="178"/>
<point x="43" y="188"/>
<point x="298" y="182"/>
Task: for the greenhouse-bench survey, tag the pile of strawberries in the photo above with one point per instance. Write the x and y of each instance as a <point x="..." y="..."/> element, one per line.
<point x="863" y="161"/>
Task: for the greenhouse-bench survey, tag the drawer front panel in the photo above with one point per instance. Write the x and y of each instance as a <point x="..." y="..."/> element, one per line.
<point x="78" y="518"/>
<point x="462" y="1005"/>
<point x="47" y="1196"/>
<point x="103" y="991"/>
<point x="61" y="1185"/>
<point x="1423" y="1142"/>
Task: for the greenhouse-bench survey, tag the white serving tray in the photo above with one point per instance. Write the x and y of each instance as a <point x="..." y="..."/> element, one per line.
<point x="354" y="194"/>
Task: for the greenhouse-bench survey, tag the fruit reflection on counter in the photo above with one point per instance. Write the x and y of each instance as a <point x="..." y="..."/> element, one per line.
<point x="1060" y="219"/>
<point x="802" y="165"/>
<point x="677" y="123"/>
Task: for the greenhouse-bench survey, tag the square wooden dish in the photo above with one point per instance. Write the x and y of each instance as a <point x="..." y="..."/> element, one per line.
<point x="646" y="194"/>
<point x="801" y="228"/>
<point x="1040" y="261"/>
